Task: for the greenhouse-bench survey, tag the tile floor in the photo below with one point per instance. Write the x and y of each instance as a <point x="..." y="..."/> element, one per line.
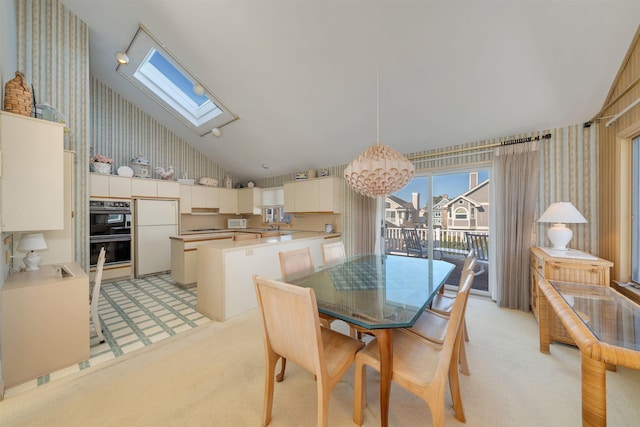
<point x="135" y="313"/>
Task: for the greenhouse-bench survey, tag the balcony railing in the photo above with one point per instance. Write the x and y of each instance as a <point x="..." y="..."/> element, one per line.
<point x="444" y="241"/>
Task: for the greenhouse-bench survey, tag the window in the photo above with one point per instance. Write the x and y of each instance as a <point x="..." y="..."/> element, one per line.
<point x="461" y="213"/>
<point x="635" y="211"/>
<point x="163" y="78"/>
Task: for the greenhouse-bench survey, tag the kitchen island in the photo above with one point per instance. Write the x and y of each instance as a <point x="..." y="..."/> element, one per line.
<point x="184" y="255"/>
<point x="226" y="269"/>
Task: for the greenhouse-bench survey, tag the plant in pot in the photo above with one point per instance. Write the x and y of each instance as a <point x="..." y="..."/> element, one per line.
<point x="101" y="164"/>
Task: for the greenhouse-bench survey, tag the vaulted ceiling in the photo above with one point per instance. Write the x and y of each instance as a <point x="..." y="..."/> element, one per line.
<point x="306" y="77"/>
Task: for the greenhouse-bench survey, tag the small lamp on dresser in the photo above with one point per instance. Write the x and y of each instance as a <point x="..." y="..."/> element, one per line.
<point x="560" y="213"/>
<point x="31" y="243"/>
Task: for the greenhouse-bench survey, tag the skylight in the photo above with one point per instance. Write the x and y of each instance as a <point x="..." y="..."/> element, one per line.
<point x="159" y="75"/>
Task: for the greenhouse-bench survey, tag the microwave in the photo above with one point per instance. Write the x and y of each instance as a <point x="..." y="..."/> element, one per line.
<point x="237" y="223"/>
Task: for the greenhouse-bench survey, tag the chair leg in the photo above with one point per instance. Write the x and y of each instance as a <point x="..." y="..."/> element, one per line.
<point x="283" y="365"/>
<point x="360" y="393"/>
<point x="454" y="382"/>
<point x="96" y="323"/>
<point x="270" y="368"/>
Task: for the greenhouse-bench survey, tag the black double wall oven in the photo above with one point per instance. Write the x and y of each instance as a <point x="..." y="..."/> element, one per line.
<point x="110" y="227"/>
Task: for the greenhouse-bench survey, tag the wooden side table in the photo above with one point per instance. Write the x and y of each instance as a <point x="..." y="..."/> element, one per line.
<point x="574" y="267"/>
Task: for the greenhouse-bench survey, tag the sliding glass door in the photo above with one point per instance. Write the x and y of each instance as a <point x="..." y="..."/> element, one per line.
<point x="451" y="213"/>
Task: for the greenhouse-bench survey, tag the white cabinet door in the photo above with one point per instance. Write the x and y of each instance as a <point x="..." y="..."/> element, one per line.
<point x="228" y="200"/>
<point x="32" y="173"/>
<point x="185" y="199"/>
<point x="249" y="200"/>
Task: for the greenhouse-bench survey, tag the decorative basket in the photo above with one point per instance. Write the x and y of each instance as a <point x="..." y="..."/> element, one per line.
<point x="17" y="96"/>
<point x="101" y="167"/>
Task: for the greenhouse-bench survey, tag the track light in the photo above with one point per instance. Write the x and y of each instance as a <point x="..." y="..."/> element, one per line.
<point x="122" y="58"/>
<point x="198" y="89"/>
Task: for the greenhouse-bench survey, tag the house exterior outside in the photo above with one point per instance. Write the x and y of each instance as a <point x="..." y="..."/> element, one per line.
<point x="399" y="213"/>
<point x="469" y="210"/>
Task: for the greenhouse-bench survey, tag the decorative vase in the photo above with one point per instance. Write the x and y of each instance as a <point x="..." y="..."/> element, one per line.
<point x="101" y="167"/>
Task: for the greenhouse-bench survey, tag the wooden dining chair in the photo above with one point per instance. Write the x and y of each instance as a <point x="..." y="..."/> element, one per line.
<point x="95" y="295"/>
<point x="292" y="330"/>
<point x="333" y="253"/>
<point x="419" y="366"/>
<point x="442" y="304"/>
<point x="295" y="264"/>
<point x="432" y="326"/>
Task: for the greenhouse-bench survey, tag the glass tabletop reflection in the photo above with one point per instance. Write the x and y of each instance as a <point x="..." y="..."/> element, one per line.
<point x="374" y="291"/>
<point x="611" y="317"/>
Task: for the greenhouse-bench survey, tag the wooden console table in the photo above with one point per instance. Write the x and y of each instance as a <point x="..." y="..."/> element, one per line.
<point x="571" y="266"/>
<point x="44" y="322"/>
<point x="603" y="324"/>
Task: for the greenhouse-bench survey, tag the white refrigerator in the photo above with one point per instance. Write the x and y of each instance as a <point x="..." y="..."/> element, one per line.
<point x="155" y="221"/>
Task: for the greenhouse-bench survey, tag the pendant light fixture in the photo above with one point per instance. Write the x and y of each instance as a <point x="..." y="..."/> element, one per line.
<point x="379" y="170"/>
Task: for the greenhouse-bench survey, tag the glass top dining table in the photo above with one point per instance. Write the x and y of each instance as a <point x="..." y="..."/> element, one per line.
<point x="377" y="291"/>
<point x="375" y="294"/>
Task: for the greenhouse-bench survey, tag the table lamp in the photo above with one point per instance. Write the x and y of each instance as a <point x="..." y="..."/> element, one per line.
<point x="31" y="243"/>
<point x="560" y="213"/>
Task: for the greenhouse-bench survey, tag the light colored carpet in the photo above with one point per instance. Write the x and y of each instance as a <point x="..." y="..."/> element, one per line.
<point x="213" y="375"/>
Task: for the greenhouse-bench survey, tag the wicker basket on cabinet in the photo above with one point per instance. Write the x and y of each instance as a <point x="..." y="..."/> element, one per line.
<point x="17" y="96"/>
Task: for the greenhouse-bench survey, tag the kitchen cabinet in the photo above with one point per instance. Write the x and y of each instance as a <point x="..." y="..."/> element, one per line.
<point x="32" y="173"/>
<point x="185" y="199"/>
<point x="155" y="188"/>
<point x="205" y="197"/>
<point x="249" y="201"/>
<point x="44" y="324"/>
<point x="314" y="195"/>
<point x="61" y="243"/>
<point x="113" y="186"/>
<point x="228" y="200"/>
<point x="581" y="267"/>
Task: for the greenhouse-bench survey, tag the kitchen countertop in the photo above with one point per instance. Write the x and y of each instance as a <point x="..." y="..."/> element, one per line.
<point x="203" y="236"/>
<point x="298" y="235"/>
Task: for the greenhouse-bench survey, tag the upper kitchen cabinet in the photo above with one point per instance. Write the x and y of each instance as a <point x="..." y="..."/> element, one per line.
<point x="228" y="201"/>
<point x="314" y="195"/>
<point x="112" y="186"/>
<point x="31" y="174"/>
<point x="203" y="197"/>
<point x="143" y="187"/>
<point x="249" y="201"/>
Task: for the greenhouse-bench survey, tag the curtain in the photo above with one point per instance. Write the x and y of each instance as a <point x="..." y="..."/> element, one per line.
<point x="364" y="227"/>
<point x="516" y="178"/>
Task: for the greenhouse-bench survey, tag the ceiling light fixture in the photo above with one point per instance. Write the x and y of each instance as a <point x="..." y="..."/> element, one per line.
<point x="122" y="57"/>
<point x="216" y="132"/>
<point x="379" y="170"/>
<point x="265" y="166"/>
<point x="198" y="89"/>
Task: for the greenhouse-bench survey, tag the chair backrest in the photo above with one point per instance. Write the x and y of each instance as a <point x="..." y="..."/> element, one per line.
<point x="412" y="242"/>
<point x="469" y="262"/>
<point x="478" y="243"/>
<point x="95" y="294"/>
<point x="333" y="253"/>
<point x="295" y="264"/>
<point x="290" y="322"/>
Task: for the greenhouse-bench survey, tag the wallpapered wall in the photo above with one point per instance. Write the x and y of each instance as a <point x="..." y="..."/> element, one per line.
<point x="121" y="131"/>
<point x="53" y="53"/>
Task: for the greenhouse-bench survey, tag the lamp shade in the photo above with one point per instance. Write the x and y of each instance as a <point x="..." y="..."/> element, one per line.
<point x="562" y="212"/>
<point x="32" y="242"/>
<point x="559" y="213"/>
<point x="378" y="171"/>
